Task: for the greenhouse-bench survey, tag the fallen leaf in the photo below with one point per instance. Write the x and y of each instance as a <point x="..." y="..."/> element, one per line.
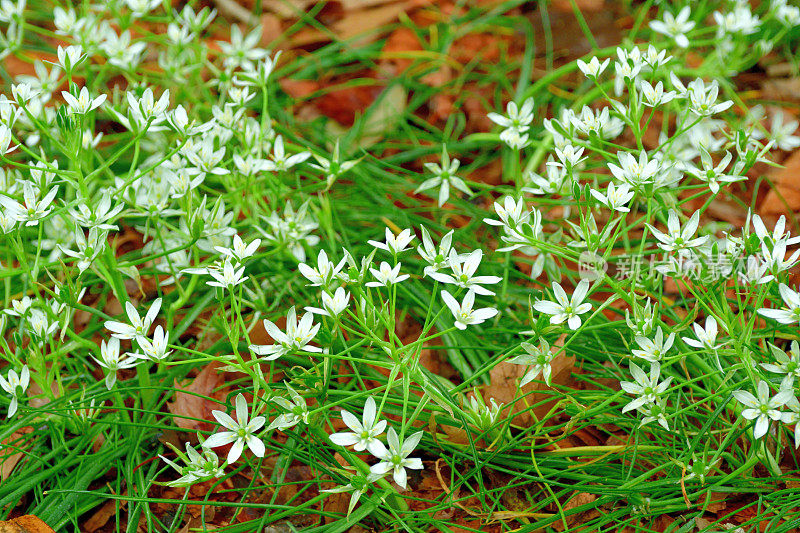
<point x="579" y="499"/>
<point x="102" y="515"/>
<point x="188" y="404"/>
<point x="784" y="199"/>
<point x="781" y="89"/>
<point x="395" y="53"/>
<point x="9" y="457"/>
<point x="271" y="29"/>
<point x="299" y="88"/>
<point x="25" y="524"/>
<point x="504" y="386"/>
<point x="382" y="117"/>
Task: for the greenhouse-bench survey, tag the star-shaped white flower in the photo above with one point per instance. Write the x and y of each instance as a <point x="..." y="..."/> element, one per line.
<point x="564" y="308"/>
<point x="296" y="337"/>
<point x="762" y="409"/>
<point x="396" y="458"/>
<point x="464" y="314"/>
<point x="394" y="244"/>
<point x="241" y="432"/>
<point x="463" y="269"/>
<point x="138" y="326"/>
<point x="363" y="435"/>
<point x="706" y="337"/>
<point x="15" y="385"/>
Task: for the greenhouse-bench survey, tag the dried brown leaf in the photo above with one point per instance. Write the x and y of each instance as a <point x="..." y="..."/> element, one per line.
<point x="188" y="405"/>
<point x="25" y="524"/>
<point x="8" y="456"/>
<point x="784" y="199"/>
<point x="504" y="386"/>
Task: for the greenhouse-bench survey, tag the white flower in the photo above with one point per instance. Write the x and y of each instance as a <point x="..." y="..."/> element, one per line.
<point x="512" y="213"/>
<point x="463" y="313"/>
<point x="334" y="305"/>
<point x="654" y="350"/>
<point x="70" y="56"/>
<point x="590" y="122"/>
<point x="40" y="325"/>
<point x="788" y="15"/>
<point x="242" y="50"/>
<point x="229" y="277"/>
<point x="702" y="100"/>
<point x="633" y="171"/>
<point x="88" y="247"/>
<point x="653" y="96"/>
<point x="776" y="259"/>
<point x="15" y="385"/>
<point x="179" y="120"/>
<point x="788" y="315"/>
<point x="779" y="232"/>
<point x="762" y="409"/>
<point x="5" y="141"/>
<point x="240" y="432"/>
<point x="616" y="198"/>
<point x="569" y="156"/>
<point x="655" y="58"/>
<point x="647" y="389"/>
<point x="655" y="411"/>
<point x="556" y="182"/>
<point x="83" y="103"/>
<point x="593" y="68"/>
<point x="675" y="26"/>
<point x="111" y="360"/>
<point x="783" y="134"/>
<point x="739" y="20"/>
<point x="147" y="108"/>
<point x="789" y="365"/>
<point x="677" y="238"/>
<point x="257" y="75"/>
<point x="538" y="358"/>
<point x="240" y="250"/>
<point x="755" y="271"/>
<point x="394" y="244"/>
<point x="436" y="259"/>
<point x="518" y="119"/>
<point x="444" y="177"/>
<point x="198" y="467"/>
<point x="19" y="307"/>
<point x="359" y="484"/>
<point x="333" y="167"/>
<point x="155" y="350"/>
<point x="396" y="458"/>
<point x="514" y="139"/>
<point x="386" y="275"/>
<point x="793" y="417"/>
<point x="714" y="175"/>
<point x="363" y="435"/>
<point x="204" y="157"/>
<point x="566" y="309"/>
<point x="296" y="411"/>
<point x="138" y="327"/>
<point x="97" y="215"/>
<point x="279" y="162"/>
<point x="296" y="337"/>
<point x="33" y="210"/>
<point x="706" y="337"/>
<point x="463" y="273"/>
<point x="65" y="20"/>
<point x="325" y="272"/>
<point x="142" y="7"/>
